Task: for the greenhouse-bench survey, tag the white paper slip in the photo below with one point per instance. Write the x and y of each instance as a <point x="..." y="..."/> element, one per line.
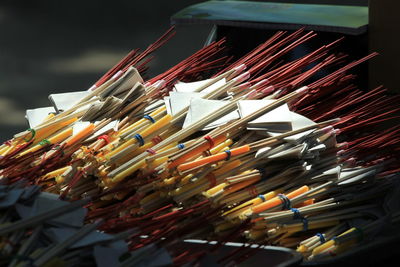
<point x="121" y="86"/>
<point x="66" y="101"/>
<point x="180" y="101"/>
<point x="277" y="120"/>
<point x="298" y="122"/>
<point x="262" y="151"/>
<point x="293" y="152"/>
<point x="201" y="108"/>
<point x="359" y="177"/>
<point x="36" y="116"/>
<point x="318" y="148"/>
<point x="348" y="175"/>
<point x="266" y="152"/>
<point x="128" y="80"/>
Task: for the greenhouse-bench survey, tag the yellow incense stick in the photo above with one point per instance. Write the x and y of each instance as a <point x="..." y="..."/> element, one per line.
<point x="52" y="140"/>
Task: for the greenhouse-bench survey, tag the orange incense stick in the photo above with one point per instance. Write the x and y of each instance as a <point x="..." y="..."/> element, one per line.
<point x="276" y="201"/>
<point x="214" y="158"/>
<point x="86" y="131"/>
<point x="197" y="151"/>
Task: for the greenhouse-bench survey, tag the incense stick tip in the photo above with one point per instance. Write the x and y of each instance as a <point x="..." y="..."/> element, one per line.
<point x="240" y="68"/>
<point x="242" y="77"/>
<point x="302" y="90"/>
<point x="344" y="145"/>
<point x="117" y="75"/>
<point x="161" y="84"/>
<point x="327" y="129"/>
<point x="268" y="90"/>
<point x="92" y="88"/>
<point x="261" y="83"/>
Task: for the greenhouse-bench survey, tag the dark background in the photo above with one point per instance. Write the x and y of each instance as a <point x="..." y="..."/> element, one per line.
<point x="59" y="46"/>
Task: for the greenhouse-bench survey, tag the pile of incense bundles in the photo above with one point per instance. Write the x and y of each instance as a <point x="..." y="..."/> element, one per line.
<point x="262" y="150"/>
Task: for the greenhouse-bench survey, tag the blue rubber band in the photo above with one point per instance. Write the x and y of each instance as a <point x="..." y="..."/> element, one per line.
<point x="285" y="201"/>
<point x="296" y="214"/>
<point x="181" y="146"/>
<point x="261" y="197"/>
<point x="150" y="118"/>
<point x="321" y="238"/>
<point x="228" y="154"/>
<point x="139" y="138"/>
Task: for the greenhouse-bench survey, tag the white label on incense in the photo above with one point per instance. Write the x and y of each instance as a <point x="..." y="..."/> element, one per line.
<point x="183" y="87"/>
<point x="318" y="148"/>
<point x="355" y="174"/>
<point x="276" y="150"/>
<point x="180" y="101"/>
<point x="298" y="122"/>
<point x="201" y="108"/>
<point x="128" y="80"/>
<point x="359" y="177"/>
<point x="66" y="101"/>
<point x="277" y="120"/>
<point x="262" y="151"/>
<point x="331" y="174"/>
<point x="293" y="152"/>
<point x="36" y="116"/>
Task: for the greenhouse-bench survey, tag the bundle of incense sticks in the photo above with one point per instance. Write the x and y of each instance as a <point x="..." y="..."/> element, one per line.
<point x="255" y="150"/>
